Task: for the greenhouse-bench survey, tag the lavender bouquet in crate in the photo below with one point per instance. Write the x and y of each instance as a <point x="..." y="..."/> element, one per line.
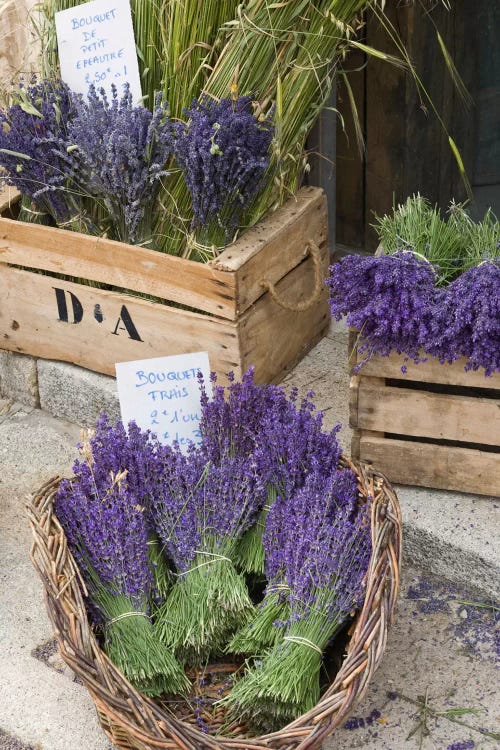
<point x="37" y="157"/>
<point x="123" y="150"/>
<point x="318" y="543"/>
<point x="224" y="152"/>
<point x="202" y="510"/>
<point x="105" y="523"/>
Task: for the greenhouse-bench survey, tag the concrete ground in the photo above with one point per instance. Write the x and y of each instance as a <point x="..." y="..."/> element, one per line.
<point x="438" y="683"/>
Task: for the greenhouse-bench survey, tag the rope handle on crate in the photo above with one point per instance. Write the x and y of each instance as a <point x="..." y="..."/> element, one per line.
<point x="313" y="251"/>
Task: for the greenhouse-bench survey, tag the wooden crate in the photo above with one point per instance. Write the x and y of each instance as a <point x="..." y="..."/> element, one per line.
<point x="224" y="307"/>
<point x="437" y="426"/>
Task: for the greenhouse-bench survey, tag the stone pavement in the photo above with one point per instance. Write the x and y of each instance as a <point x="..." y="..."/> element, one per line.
<point x="437" y="686"/>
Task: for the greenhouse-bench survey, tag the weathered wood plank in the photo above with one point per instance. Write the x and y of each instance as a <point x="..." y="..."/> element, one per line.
<point x="431" y="371"/>
<point x="138" y="269"/>
<point x="113" y="327"/>
<point x="424" y="414"/>
<point x="281" y="254"/>
<point x="276" y="245"/>
<point x="274" y="339"/>
<point x="429" y="465"/>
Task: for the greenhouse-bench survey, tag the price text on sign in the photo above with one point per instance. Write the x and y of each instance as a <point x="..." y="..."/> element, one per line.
<point x="96" y="45"/>
<point x="163" y="395"/>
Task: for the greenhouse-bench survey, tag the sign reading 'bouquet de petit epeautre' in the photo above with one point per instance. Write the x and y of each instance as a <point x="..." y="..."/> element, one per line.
<point x="96" y="46"/>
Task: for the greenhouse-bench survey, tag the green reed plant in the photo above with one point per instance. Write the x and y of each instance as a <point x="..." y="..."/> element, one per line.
<point x="281" y="53"/>
<point x="451" y="244"/>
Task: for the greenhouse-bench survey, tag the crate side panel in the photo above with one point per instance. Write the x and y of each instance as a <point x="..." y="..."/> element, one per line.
<point x="423" y="414"/>
<point x="268" y="228"/>
<point x="431" y="371"/>
<point x="428" y="465"/>
<point x="273" y="339"/>
<point x="93" y="328"/>
<point x="139" y="269"/>
<point x="283" y="250"/>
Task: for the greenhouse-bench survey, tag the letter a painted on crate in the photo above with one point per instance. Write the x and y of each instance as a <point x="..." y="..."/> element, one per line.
<point x="62" y="307"/>
<point x="128" y="325"/>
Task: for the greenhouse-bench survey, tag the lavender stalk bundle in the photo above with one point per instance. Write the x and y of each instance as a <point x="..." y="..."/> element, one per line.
<point x="396" y="304"/>
<point x="123" y="150"/>
<point x="223" y="150"/>
<point x="324" y="551"/>
<point x="37" y="155"/>
<point x="107" y="534"/>
<point x="203" y="510"/>
<point x="285" y="437"/>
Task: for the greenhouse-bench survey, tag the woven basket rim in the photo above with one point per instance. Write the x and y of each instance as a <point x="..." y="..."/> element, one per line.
<point x="122" y="710"/>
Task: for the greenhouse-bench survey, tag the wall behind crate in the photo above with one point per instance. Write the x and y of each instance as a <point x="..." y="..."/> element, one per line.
<point x="406" y="148"/>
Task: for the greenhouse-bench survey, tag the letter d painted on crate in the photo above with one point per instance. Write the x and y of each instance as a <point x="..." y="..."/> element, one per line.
<point x="62" y="307"/>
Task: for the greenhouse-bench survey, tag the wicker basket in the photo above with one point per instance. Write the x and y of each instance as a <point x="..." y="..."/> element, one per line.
<point x="132" y="720"/>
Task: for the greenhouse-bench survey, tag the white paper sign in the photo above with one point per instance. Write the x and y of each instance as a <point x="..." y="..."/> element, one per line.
<point x="96" y="45"/>
<point x="163" y="395"/>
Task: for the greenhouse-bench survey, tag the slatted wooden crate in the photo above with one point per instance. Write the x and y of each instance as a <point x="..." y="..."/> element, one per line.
<point x="262" y="302"/>
<point x="437" y="426"/>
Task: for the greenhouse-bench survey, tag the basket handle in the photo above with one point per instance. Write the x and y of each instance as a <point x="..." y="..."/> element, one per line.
<point x="313" y="251"/>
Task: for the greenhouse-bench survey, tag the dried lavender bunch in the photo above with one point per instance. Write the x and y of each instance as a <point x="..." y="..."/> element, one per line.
<point x="467" y="319"/>
<point x="123" y="150"/>
<point x="223" y="150"/>
<point x="395" y="303"/>
<point x="389" y="299"/>
<point x="320" y="540"/>
<point x="202" y="512"/>
<point x="117" y="450"/>
<point x="36" y="152"/>
<point x="283" y="437"/>
<point x="107" y="533"/>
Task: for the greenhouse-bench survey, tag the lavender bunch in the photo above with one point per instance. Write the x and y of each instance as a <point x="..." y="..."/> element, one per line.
<point x="281" y="435"/>
<point x="467" y="319"/>
<point x="291" y="443"/>
<point x="319" y="544"/>
<point x="104" y="522"/>
<point x="389" y="299"/>
<point x="37" y="155"/>
<point x="123" y="150"/>
<point x="223" y="150"/>
<point x="202" y="512"/>
<point x="135" y="452"/>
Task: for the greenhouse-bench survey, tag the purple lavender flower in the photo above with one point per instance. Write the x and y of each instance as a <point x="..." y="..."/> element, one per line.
<point x="388" y="298"/>
<point x="319" y="539"/>
<point x="467" y="319"/>
<point x="203" y="511"/>
<point x="224" y="152"/>
<point x="35" y="149"/>
<point x="103" y="510"/>
<point x="124" y="149"/>
<point x="394" y="302"/>
<point x="107" y="535"/>
<point x="204" y="506"/>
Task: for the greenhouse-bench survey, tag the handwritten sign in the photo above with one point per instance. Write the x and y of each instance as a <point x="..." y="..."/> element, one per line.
<point x="163" y="395"/>
<point x="96" y="45"/>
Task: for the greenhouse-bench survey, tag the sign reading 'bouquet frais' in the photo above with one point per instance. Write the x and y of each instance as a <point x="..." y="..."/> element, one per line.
<point x="162" y="394"/>
<point x="96" y="45"/>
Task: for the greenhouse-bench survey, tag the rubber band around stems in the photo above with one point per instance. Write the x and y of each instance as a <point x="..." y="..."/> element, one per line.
<point x="34" y="213"/>
<point x="303" y="642"/>
<point x="68" y="223"/>
<point x="216" y="558"/>
<point x="124" y="615"/>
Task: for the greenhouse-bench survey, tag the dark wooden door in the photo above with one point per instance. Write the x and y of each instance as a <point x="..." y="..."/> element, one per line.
<point x="406" y="148"/>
